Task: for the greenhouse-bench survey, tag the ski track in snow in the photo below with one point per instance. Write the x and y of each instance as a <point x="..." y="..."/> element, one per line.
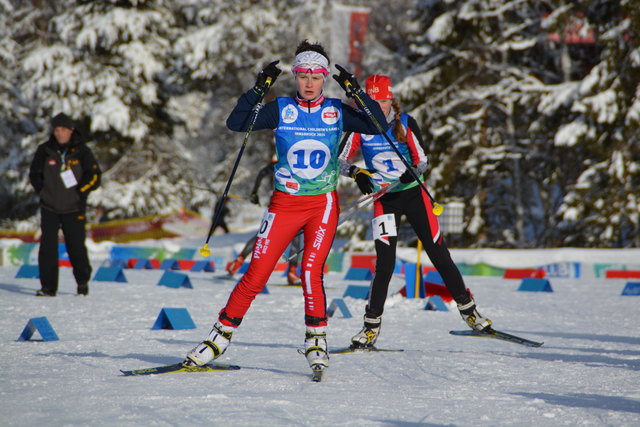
<point x="587" y="373"/>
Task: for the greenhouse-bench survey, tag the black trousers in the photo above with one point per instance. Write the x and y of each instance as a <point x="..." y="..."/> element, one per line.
<point x="73" y="228"/>
<point x="411" y="203"/>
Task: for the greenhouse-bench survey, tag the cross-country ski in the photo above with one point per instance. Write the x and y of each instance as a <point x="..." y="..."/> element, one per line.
<point x="180" y="367"/>
<point x="498" y="335"/>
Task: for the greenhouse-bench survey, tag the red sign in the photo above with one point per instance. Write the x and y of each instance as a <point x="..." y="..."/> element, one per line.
<point x="357" y="39"/>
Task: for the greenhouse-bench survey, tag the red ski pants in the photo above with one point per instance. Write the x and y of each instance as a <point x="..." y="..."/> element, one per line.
<point x="317" y="216"/>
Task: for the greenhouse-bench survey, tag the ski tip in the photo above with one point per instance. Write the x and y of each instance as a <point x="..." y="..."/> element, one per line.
<point x="228" y="367"/>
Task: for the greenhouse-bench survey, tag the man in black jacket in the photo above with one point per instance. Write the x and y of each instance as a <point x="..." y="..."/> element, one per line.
<point x="63" y="172"/>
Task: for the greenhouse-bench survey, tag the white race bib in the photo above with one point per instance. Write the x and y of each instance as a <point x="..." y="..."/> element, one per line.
<point x="68" y="178"/>
<point x="384" y="226"/>
<point x="265" y="225"/>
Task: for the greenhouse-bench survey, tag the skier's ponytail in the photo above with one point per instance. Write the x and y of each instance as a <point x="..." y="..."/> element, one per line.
<point x="398" y="130"/>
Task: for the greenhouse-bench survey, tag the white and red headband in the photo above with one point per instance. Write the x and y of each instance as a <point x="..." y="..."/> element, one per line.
<point x="310" y="62"/>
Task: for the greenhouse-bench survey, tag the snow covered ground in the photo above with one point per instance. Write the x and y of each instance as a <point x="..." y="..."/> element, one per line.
<point x="587" y="373"/>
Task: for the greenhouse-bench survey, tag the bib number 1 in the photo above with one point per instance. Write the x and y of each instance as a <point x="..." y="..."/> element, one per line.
<point x="384" y="226"/>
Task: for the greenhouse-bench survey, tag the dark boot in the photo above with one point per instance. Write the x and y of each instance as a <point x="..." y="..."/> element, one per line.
<point x="83" y="289"/>
<point x="41" y="293"/>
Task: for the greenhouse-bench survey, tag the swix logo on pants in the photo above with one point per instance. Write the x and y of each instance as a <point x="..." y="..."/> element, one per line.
<point x="317" y="217"/>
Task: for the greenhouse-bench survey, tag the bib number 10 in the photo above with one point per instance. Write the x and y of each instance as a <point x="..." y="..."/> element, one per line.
<point x="315" y="159"/>
<point x="308" y="158"/>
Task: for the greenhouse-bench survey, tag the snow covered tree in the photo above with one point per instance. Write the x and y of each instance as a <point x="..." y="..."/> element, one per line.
<point x="530" y="110"/>
<point x="104" y="67"/>
<point x="150" y="83"/>
<point x="22" y="24"/>
<point x="602" y="206"/>
<point x="490" y="88"/>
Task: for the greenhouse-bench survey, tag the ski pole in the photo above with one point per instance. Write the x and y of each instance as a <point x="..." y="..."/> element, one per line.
<point x="418" y="271"/>
<point x="437" y="208"/>
<point x="205" y="251"/>
<point x="369" y="198"/>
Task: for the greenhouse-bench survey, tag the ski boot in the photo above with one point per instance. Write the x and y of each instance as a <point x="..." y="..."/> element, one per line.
<point x="234" y="266"/>
<point x="292" y="276"/>
<point x="367" y="337"/>
<point x="210" y="349"/>
<point x="471" y="315"/>
<point x="315" y="346"/>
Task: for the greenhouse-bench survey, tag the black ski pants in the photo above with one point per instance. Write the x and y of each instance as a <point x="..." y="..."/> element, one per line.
<point x="413" y="203"/>
<point x="73" y="229"/>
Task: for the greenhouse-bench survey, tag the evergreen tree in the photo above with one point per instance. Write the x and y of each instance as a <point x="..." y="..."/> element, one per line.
<point x="602" y="206"/>
<point x="22" y="25"/>
<point x="104" y="66"/>
<point x="491" y="88"/>
<point x="530" y="110"/>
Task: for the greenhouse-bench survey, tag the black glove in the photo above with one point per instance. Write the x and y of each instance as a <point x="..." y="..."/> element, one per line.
<point x="253" y="198"/>
<point x="362" y="178"/>
<point x="269" y="72"/>
<point x="347" y="81"/>
<point x="407" y="176"/>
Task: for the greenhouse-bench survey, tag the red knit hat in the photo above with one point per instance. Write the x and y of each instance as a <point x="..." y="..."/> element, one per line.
<point x="379" y="87"/>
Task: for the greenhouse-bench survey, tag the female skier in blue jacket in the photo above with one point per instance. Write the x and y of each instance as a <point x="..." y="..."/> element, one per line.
<point x="307" y="128"/>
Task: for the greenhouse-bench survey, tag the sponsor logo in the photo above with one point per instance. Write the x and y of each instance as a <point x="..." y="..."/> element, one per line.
<point x="330" y="115"/>
<point x="257" y="248"/>
<point x="319" y="237"/>
<point x="284" y="178"/>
